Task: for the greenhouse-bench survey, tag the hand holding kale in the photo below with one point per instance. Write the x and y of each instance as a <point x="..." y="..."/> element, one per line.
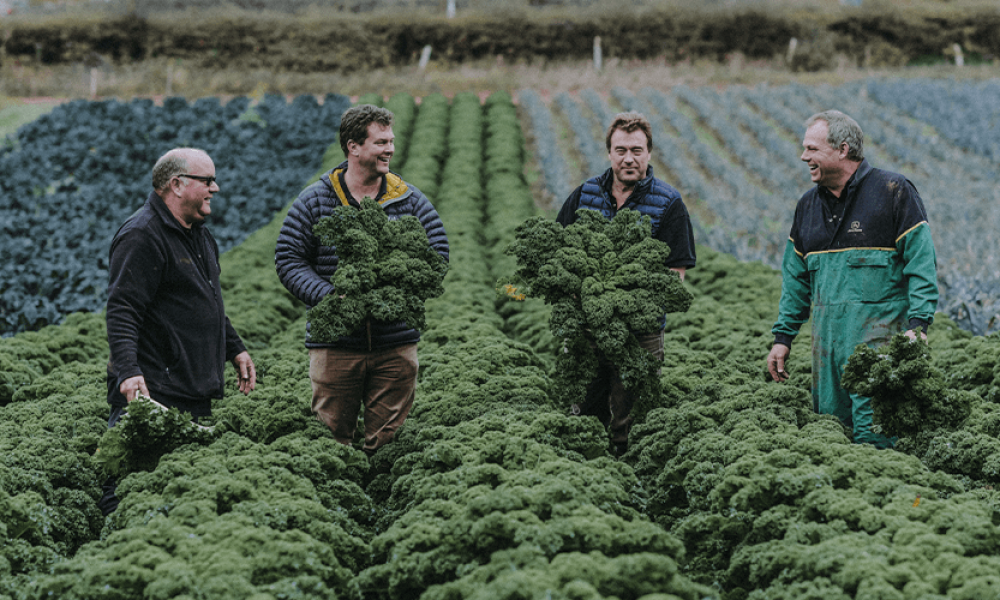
<point x="144" y="434"/>
<point x="386" y="270"/>
<point x="908" y="394"/>
<point x="604" y="280"/>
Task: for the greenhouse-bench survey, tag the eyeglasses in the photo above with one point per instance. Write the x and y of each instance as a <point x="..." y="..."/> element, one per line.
<point x="202" y="178"/>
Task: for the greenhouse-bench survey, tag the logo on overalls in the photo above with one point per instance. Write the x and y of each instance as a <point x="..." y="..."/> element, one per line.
<point x="855" y="227"/>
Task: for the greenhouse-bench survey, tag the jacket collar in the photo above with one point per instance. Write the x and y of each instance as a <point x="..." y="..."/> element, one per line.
<point x="161" y="210"/>
<point x="607" y="179"/>
<point x="859" y="175"/>
<point x="864" y="168"/>
<point x="393" y="187"/>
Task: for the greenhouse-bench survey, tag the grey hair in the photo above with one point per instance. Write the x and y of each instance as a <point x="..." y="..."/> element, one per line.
<point x="172" y="164"/>
<point x="841" y="129"/>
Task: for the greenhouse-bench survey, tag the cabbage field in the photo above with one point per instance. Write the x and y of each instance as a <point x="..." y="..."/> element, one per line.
<point x="732" y="487"/>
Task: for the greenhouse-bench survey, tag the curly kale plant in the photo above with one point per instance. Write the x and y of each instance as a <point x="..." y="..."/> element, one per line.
<point x="144" y="434"/>
<point x="908" y="394"/>
<point x="386" y="270"/>
<point x="605" y="281"/>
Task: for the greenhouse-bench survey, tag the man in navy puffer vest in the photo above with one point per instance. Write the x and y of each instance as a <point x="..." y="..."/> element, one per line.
<point x="629" y="183"/>
<point x="375" y="367"/>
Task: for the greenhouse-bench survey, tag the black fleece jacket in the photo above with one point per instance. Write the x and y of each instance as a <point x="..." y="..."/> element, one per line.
<point x="166" y="320"/>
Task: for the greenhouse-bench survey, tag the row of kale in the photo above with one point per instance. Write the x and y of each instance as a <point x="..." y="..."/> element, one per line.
<point x="73" y="176"/>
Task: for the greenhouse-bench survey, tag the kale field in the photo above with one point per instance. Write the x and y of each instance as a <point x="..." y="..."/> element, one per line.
<point x="732" y="487"/>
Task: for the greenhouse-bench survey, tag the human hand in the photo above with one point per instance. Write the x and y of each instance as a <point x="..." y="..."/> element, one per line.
<point x="776" y="362"/>
<point x="132" y="387"/>
<point x="246" y="372"/>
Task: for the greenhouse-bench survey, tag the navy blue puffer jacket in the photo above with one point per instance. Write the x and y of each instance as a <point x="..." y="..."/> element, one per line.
<point x="305" y="266"/>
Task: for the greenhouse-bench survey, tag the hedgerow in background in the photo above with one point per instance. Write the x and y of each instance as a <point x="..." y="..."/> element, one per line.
<point x="87" y="165"/>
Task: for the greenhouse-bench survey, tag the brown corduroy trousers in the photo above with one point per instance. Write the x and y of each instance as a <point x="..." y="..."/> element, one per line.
<point x="382" y="381"/>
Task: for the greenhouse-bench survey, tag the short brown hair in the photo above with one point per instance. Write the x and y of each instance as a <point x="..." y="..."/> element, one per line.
<point x="354" y="124"/>
<point x="629" y="122"/>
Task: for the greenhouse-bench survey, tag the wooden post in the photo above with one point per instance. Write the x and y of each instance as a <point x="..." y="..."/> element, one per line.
<point x="170" y="77"/>
<point x="792" y="45"/>
<point x="450" y="11"/>
<point x="93" y="83"/>
<point x="425" y="57"/>
<point x="598" y="58"/>
<point x="959" y="58"/>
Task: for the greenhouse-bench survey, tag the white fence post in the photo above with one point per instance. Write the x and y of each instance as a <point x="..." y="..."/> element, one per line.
<point x="598" y="58"/>
<point x="425" y="57"/>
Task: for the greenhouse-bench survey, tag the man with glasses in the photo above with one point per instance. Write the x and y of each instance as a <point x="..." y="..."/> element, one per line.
<point x="168" y="332"/>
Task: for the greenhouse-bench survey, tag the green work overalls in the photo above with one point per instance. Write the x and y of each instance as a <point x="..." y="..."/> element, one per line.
<point x="867" y="278"/>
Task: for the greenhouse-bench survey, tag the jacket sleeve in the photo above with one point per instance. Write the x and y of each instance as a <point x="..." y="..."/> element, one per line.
<point x="793" y="308"/>
<point x="135" y="269"/>
<point x="567" y="213"/>
<point x="296" y="253"/>
<point x="234" y="344"/>
<point x="677" y="232"/>
<point x="428" y="216"/>
<point x="920" y="269"/>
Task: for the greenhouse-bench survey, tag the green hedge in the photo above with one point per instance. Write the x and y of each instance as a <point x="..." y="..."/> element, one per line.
<point x="349" y="43"/>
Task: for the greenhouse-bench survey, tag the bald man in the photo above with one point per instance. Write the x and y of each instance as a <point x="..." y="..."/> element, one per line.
<point x="167" y="328"/>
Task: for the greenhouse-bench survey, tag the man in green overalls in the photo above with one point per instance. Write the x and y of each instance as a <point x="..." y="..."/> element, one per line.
<point x="860" y="255"/>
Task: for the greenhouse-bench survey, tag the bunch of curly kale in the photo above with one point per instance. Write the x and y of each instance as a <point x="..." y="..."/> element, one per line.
<point x="605" y="280"/>
<point x="386" y="270"/>
<point x="908" y="394"/>
<point x="146" y="433"/>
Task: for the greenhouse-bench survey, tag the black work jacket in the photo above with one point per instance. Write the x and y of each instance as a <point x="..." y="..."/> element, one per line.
<point x="166" y="319"/>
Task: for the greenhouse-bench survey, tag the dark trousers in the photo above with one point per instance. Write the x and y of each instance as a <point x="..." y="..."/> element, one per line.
<point x="383" y="382"/>
<point x="109" y="500"/>
<point x="608" y="400"/>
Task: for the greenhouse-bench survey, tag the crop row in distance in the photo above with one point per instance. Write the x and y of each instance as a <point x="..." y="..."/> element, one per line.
<point x="734" y="152"/>
<point x="74" y="175"/>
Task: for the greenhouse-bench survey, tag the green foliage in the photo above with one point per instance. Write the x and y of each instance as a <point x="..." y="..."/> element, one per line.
<point x="386" y="270"/>
<point x="144" y="434"/>
<point x="908" y="394"/>
<point x="233" y="556"/>
<point x="604" y="280"/>
<point x="526" y="572"/>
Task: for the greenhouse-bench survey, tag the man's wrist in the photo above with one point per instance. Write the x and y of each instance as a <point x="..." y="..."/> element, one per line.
<point x="784" y="339"/>
<point x="920" y="324"/>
